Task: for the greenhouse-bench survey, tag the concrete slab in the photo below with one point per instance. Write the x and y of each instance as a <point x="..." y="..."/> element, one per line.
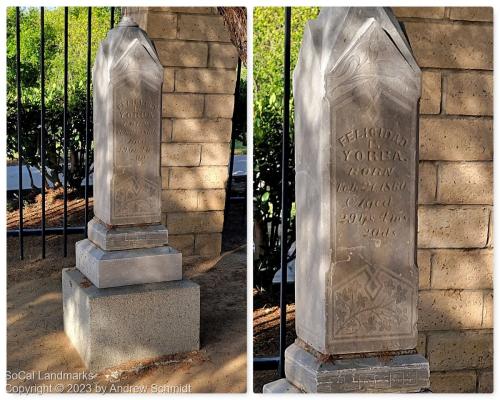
<point x="115" y="325"/>
<point x="127" y="237"/>
<point x="387" y="374"/>
<point x="127" y="267"/>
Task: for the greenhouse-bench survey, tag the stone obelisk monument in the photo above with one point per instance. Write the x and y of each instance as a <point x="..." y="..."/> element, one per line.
<point x="126" y="299"/>
<point x="357" y="88"/>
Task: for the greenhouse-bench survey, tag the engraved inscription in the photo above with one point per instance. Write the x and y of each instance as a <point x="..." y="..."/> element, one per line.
<point x="368" y="193"/>
<point x="373" y="172"/>
<point x="136" y="149"/>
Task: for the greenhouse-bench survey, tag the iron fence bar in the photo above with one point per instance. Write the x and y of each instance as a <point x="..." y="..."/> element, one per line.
<point x="65" y="124"/>
<point x="233" y="141"/>
<point x="42" y="119"/>
<point x="87" y="116"/>
<point x="18" y="126"/>
<point x="266" y="363"/>
<point x="49" y="230"/>
<point x="285" y="191"/>
<point x="112" y="22"/>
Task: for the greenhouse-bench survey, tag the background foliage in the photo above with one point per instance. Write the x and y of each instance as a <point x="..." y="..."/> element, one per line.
<point x="54" y="78"/>
<point x="268" y="120"/>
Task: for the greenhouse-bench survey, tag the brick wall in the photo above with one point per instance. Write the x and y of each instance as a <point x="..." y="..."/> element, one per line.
<point x="454" y="48"/>
<point x="198" y="96"/>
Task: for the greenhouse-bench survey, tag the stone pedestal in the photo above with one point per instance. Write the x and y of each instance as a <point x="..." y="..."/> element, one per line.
<point x="115" y="325"/>
<point x="126" y="299"/>
<point x="356" y="89"/>
<point x="309" y="372"/>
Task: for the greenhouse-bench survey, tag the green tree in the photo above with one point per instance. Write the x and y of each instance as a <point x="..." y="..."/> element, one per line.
<point x="268" y="120"/>
<point x="54" y="81"/>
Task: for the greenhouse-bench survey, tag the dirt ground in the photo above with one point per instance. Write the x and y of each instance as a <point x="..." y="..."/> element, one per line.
<point x="36" y="341"/>
<point x="266" y="325"/>
<point x="35" y="336"/>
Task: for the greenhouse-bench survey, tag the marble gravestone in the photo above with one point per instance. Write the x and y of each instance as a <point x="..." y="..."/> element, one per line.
<point x="126" y="299"/>
<point x="356" y="88"/>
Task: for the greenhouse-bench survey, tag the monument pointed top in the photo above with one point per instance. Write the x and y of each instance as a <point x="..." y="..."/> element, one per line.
<point x="334" y="29"/>
<point x="127" y="22"/>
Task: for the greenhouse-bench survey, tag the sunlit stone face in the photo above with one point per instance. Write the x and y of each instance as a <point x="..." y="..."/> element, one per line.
<point x="356" y="193"/>
<point x="127" y="123"/>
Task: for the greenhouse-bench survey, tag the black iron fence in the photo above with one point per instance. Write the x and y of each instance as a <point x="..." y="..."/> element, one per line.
<point x="278" y="361"/>
<point x="65" y="230"/>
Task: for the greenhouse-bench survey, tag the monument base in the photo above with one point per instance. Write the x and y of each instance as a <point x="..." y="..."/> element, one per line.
<point x="397" y="373"/>
<point x="126" y="237"/>
<point x="127" y="267"/>
<point x="115" y="325"/>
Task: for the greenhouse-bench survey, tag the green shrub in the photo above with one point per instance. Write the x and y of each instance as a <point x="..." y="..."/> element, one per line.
<point x="54" y="79"/>
<point x="268" y="128"/>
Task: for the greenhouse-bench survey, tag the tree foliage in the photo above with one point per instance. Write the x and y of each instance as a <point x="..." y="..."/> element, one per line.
<point x="268" y="122"/>
<point x="54" y="85"/>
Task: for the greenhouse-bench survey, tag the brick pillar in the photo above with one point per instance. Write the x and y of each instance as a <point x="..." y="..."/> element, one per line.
<point x="454" y="48"/>
<point x="198" y="96"/>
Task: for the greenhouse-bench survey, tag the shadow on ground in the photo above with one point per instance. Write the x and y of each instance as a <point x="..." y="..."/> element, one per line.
<point x="36" y="341"/>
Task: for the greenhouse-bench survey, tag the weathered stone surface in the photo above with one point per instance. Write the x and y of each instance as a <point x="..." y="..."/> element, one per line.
<point x="430" y="103"/>
<point x="219" y="105"/>
<point x="127" y="237"/>
<point x="356" y="88"/>
<point x="162" y="26"/>
<point x="203" y="27"/>
<point x="472" y="13"/>
<point x="115" y="325"/>
<point x="452" y="226"/>
<point x="465" y="183"/>
<point x="221" y="55"/>
<point x="166" y="131"/>
<point x="400" y="373"/>
<point x="202" y="130"/>
<point x="419" y="12"/>
<point x="280" y="386"/>
<point x="427" y="182"/>
<point x="127" y="267"/>
<point x="445" y="45"/>
<point x="450" y="309"/>
<point x="454" y="350"/>
<point x="456" y="139"/>
<point x="198" y="177"/>
<point x="197" y="222"/>
<point x="193" y="200"/>
<point x="177" y="53"/>
<point x="469" y="93"/>
<point x="421" y="344"/>
<point x="205" y="80"/>
<point x="182" y="105"/>
<point x="488" y="309"/>
<point x="215" y="154"/>
<point x="462" y="269"/>
<point x="485" y="381"/>
<point x="168" y="80"/>
<point x="424" y="269"/>
<point x="127" y="79"/>
<point x="208" y="244"/>
<point x="453" y="382"/>
<point x="184" y="243"/>
<point x="180" y="154"/>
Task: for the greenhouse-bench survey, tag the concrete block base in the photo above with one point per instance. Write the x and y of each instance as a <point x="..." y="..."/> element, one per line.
<point x="126" y="237"/>
<point x="384" y="374"/>
<point x="127" y="267"/>
<point x="280" y="386"/>
<point x="116" y="325"/>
